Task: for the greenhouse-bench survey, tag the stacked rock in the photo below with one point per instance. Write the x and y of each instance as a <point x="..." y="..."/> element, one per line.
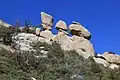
<point x="61" y="26"/>
<point x="47" y="21"/>
<point x="78" y="30"/>
<point x="78" y="42"/>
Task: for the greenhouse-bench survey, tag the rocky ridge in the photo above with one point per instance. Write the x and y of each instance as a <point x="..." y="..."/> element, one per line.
<point x="80" y="40"/>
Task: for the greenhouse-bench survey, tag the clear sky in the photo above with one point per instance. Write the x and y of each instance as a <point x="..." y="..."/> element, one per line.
<point x="101" y="17"/>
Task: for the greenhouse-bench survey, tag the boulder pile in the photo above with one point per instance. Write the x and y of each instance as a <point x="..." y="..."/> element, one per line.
<point x="79" y="41"/>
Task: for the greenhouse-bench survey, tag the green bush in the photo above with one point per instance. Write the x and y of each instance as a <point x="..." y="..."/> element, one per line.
<point x="59" y="65"/>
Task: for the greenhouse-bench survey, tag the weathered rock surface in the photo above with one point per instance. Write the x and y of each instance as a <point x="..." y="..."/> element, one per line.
<point x="63" y="40"/>
<point x="46" y="27"/>
<point x="82" y="46"/>
<point x="79" y="44"/>
<point x="62" y="31"/>
<point x="47" y="34"/>
<point x="47" y="20"/>
<point x="113" y="66"/>
<point x="110" y="57"/>
<point x="41" y="39"/>
<point x="24" y="40"/>
<point x="79" y="30"/>
<point x="101" y="61"/>
<point x="61" y="25"/>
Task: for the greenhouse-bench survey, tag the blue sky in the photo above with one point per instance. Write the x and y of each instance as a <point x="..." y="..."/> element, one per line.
<point x="101" y="17"/>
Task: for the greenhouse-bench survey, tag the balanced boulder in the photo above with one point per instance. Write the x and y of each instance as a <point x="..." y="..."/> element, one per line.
<point x="77" y="29"/>
<point x="61" y="25"/>
<point x="47" y="20"/>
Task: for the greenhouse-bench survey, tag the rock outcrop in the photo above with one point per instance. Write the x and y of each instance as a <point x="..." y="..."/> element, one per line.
<point x="101" y="61"/>
<point x="79" y="44"/>
<point x="61" y="25"/>
<point x="24" y="40"/>
<point x="47" y="34"/>
<point x="113" y="66"/>
<point x="47" y="20"/>
<point x="79" y="41"/>
<point x="63" y="40"/>
<point x="77" y="29"/>
<point x="82" y="46"/>
<point x="110" y="57"/>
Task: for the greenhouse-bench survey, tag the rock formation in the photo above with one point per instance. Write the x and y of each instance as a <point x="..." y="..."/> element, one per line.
<point x="63" y="40"/>
<point x="101" y="61"/>
<point x="110" y="57"/>
<point x="113" y="66"/>
<point x="47" y="20"/>
<point x="77" y="29"/>
<point x="46" y="34"/>
<point x="79" y="41"/>
<point x="24" y="40"/>
<point x="61" y="25"/>
<point x="82" y="46"/>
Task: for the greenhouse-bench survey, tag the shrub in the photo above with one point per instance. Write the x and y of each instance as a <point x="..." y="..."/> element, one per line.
<point x="59" y="65"/>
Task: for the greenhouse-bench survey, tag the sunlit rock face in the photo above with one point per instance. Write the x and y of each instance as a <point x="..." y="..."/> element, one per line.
<point x="113" y="66"/>
<point x="77" y="29"/>
<point x="24" y="40"/>
<point x="61" y="25"/>
<point x="63" y="40"/>
<point x="111" y="57"/>
<point x="82" y="46"/>
<point x="101" y="61"/>
<point x="47" y="34"/>
<point x="47" y="20"/>
<point x="79" y="44"/>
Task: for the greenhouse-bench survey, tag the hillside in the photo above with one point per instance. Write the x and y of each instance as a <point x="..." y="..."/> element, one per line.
<point x="56" y="65"/>
<point x="35" y="53"/>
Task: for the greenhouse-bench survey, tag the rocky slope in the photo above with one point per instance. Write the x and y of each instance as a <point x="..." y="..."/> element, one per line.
<point x="73" y="58"/>
<point x="79" y="41"/>
<point x="50" y="62"/>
